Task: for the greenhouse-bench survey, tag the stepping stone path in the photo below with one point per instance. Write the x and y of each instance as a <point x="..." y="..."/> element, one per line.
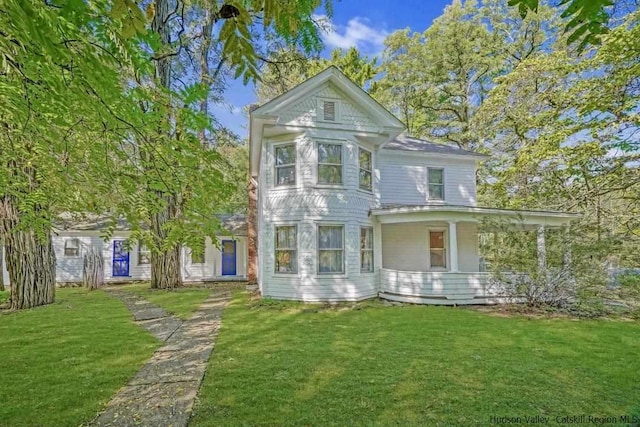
<point x="162" y="393"/>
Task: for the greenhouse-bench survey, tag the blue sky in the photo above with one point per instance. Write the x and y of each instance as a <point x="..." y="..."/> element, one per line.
<point x="359" y="23"/>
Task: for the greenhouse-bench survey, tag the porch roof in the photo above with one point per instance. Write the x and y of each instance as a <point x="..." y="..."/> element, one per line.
<point x="389" y="214"/>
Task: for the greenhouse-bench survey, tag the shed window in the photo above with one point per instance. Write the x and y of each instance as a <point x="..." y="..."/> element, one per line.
<point x="436" y="183"/>
<point x="437" y="251"/>
<point x="366" y="249"/>
<point x="286" y="249"/>
<point x="330" y="249"/>
<point x="329" y="163"/>
<point x="197" y="254"/>
<point x="285" y="164"/>
<point x="144" y="254"/>
<point x="364" y="160"/>
<point x="72" y="247"/>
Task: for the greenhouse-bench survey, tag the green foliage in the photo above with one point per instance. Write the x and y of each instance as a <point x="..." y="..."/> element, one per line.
<point x="587" y="18"/>
<point x="287" y="68"/>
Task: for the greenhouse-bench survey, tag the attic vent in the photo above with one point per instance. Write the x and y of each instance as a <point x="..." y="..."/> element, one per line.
<point x="329" y="108"/>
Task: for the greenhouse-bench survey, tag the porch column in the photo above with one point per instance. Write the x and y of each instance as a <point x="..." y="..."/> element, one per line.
<point x="566" y="255"/>
<point x="377" y="245"/>
<point x="542" y="251"/>
<point x="453" y="245"/>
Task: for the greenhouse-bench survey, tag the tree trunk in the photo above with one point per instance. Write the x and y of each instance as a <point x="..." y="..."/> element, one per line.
<point x="93" y="269"/>
<point x="30" y="260"/>
<point x="252" y="232"/>
<point x="165" y="263"/>
<point x="1" y="266"/>
<point x="31" y="263"/>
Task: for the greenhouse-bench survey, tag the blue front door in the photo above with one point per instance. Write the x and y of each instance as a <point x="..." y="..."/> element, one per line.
<point x="120" y="266"/>
<point x="228" y="257"/>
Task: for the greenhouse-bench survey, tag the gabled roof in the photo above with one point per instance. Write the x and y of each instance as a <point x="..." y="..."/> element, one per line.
<point x="342" y="82"/>
<point x="408" y="143"/>
<point x="267" y="114"/>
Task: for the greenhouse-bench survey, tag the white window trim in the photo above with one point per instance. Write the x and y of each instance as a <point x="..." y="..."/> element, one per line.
<point x="275" y="236"/>
<point x="444" y="195"/>
<point x="372" y="250"/>
<point x="445" y="244"/>
<point x="275" y="166"/>
<point x="370" y="171"/>
<point x="343" y="273"/>
<point x="317" y="166"/>
<point x="320" y="109"/>
<point x="79" y="247"/>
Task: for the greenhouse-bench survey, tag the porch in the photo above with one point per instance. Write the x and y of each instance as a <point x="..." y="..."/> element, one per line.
<point x="430" y="254"/>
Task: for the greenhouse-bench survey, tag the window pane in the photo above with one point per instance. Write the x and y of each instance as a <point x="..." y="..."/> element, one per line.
<point x="436" y="240"/>
<point x="330" y="153"/>
<point x="366" y="261"/>
<point x="365" y="159"/>
<point x="330" y="262"/>
<point x="330" y="237"/>
<point x="437" y="258"/>
<point x="285" y="154"/>
<point x="144" y="254"/>
<point x="286" y="237"/>
<point x="366" y="238"/>
<point x="328" y="174"/>
<point x="286" y="175"/>
<point x="286" y="261"/>
<point x="436" y="191"/>
<point x="365" y="180"/>
<point x="436" y="176"/>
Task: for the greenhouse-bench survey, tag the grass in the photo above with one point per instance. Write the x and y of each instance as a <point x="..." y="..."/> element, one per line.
<point x="60" y="364"/>
<point x="291" y="364"/>
<point x="4" y="297"/>
<point x="180" y="302"/>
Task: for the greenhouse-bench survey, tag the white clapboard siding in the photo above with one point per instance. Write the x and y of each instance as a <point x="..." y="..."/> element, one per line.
<point x="436" y="287"/>
<point x="405" y="245"/>
<point x="403" y="178"/>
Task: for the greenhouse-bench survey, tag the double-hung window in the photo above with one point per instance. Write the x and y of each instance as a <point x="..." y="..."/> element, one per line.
<point x="144" y="254"/>
<point x="286" y="249"/>
<point x="437" y="250"/>
<point x="330" y="249"/>
<point x="72" y="247"/>
<point x="285" y="164"/>
<point x="366" y="249"/>
<point x="435" y="180"/>
<point x="329" y="163"/>
<point x="364" y="160"/>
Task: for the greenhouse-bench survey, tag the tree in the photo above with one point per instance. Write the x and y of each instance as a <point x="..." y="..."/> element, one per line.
<point x="435" y="81"/>
<point x="287" y="68"/>
<point x="588" y="18"/>
<point x="60" y="108"/>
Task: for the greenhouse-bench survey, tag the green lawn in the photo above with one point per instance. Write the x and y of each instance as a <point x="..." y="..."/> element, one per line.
<point x="181" y="302"/>
<point x="288" y="364"/>
<point x="60" y="364"/>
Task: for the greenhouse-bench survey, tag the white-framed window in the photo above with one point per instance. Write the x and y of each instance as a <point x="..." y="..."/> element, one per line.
<point x="435" y="181"/>
<point x="366" y="167"/>
<point x="144" y="254"/>
<point x="330" y="249"/>
<point x="366" y="249"/>
<point x="197" y="256"/>
<point x="72" y="247"/>
<point x="437" y="249"/>
<point x="328" y="110"/>
<point x="285" y="165"/>
<point x="329" y="163"/>
<point x="286" y="249"/>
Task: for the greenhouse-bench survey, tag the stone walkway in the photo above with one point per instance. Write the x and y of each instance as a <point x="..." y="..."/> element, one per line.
<point x="162" y="393"/>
